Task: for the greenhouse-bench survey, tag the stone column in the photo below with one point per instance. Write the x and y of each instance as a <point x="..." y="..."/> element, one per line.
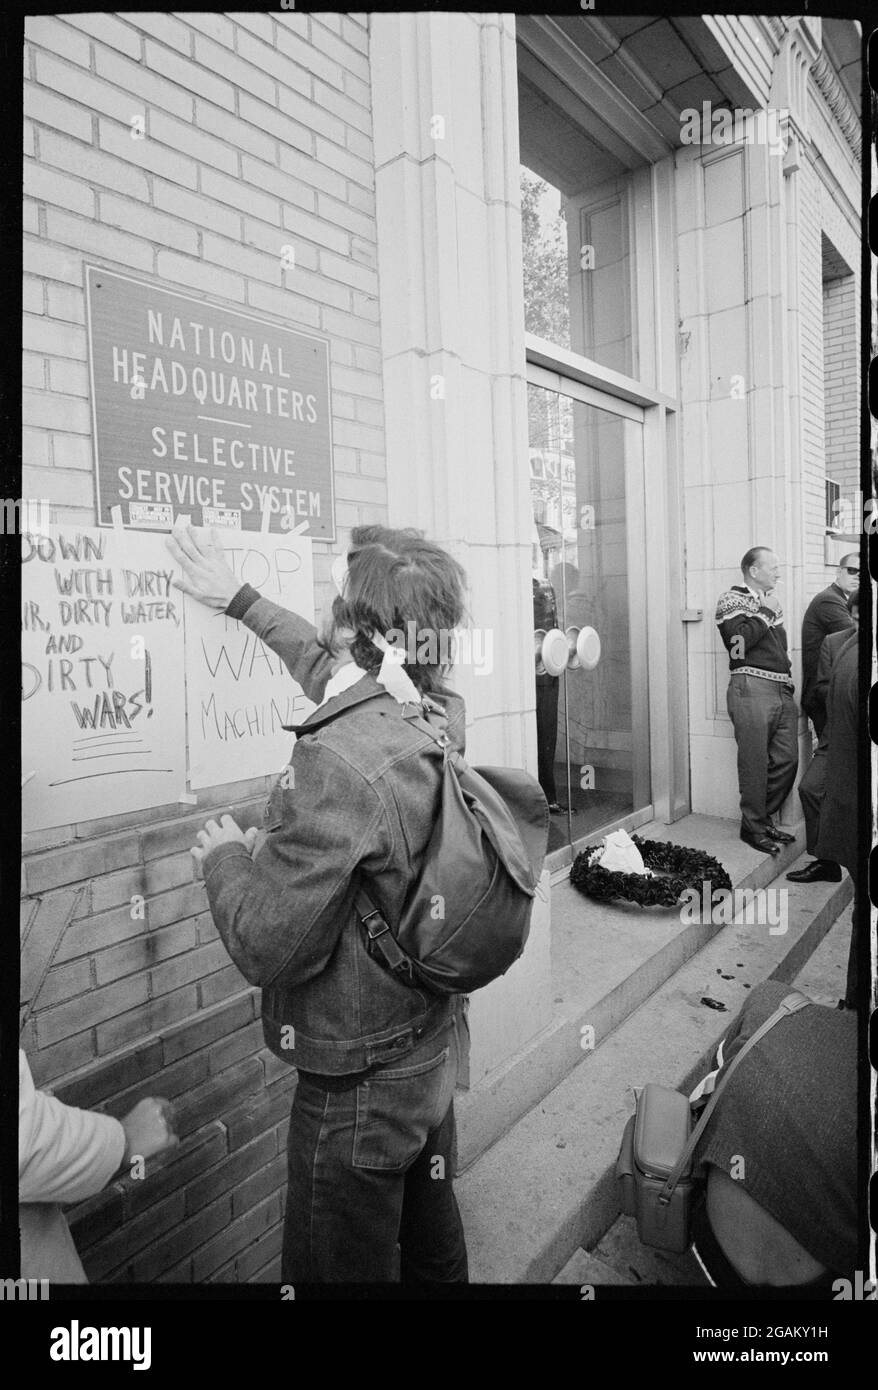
<point x="445" y="115"/>
<point x="743" y="391"/>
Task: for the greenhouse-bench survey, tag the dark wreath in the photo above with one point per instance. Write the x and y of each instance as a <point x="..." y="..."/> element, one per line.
<point x="680" y="868"/>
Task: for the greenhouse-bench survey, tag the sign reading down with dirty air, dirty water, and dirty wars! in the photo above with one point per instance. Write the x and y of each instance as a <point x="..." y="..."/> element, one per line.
<point x="116" y="662"/>
<point x="202" y="410"/>
<point x="103" y="719"/>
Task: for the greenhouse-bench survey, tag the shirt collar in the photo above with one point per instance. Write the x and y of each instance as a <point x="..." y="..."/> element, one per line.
<point x="344" y="678"/>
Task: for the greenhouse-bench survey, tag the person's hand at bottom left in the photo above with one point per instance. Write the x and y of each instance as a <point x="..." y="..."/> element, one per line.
<point x="149" y="1129"/>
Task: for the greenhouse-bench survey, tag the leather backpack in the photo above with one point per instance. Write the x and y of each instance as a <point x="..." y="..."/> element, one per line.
<point x="654" y="1176"/>
<point x="467" y="916"/>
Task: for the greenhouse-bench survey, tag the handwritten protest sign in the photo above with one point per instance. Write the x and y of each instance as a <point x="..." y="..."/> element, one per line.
<point x="200" y="409"/>
<point x="238" y="691"/>
<point x="102" y="709"/>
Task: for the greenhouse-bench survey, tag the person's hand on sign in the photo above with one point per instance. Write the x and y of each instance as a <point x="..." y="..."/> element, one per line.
<point x="227" y="832"/>
<point x="206" y="574"/>
<point x="148" y="1129"/>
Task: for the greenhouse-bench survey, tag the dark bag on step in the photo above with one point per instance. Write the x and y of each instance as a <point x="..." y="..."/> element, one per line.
<point x="654" y="1168"/>
<point x="466" y="919"/>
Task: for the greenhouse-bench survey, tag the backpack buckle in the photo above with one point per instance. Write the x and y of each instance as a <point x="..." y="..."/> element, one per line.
<point x="373" y="935"/>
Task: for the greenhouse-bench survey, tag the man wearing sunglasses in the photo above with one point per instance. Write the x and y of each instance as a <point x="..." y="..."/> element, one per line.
<point x="827" y="612"/>
<point x="812" y="787"/>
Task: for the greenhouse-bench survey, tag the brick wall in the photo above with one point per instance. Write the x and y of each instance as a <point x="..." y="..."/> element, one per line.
<point x="841" y="384"/>
<point x="257" y="135"/>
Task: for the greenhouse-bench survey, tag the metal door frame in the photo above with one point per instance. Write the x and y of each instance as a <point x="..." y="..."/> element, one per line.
<point x="644" y="410"/>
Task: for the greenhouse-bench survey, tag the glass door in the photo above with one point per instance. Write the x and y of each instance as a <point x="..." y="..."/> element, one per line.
<point x="590" y="670"/>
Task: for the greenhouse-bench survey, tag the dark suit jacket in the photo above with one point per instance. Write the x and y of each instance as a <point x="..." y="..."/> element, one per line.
<point x="827" y="612"/>
<point x="838" y="835"/>
<point x="829" y="650"/>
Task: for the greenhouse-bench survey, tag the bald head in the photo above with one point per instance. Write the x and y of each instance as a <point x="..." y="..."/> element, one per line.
<point x="760" y="568"/>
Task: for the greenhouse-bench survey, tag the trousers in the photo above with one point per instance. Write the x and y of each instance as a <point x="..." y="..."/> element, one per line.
<point x="547" y="734"/>
<point x="370" y="1167"/>
<point x="811" y="789"/>
<point x="765" y="720"/>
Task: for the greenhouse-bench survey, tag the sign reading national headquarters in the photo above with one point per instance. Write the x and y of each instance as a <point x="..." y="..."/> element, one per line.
<point x="207" y="412"/>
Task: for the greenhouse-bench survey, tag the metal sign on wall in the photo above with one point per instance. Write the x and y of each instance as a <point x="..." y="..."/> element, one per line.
<point x="204" y="411"/>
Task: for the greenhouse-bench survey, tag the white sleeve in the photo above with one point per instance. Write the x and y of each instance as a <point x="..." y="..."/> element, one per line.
<point x="64" y="1154"/>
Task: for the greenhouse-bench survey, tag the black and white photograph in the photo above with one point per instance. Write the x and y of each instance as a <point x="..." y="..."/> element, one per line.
<point x="442" y="527"/>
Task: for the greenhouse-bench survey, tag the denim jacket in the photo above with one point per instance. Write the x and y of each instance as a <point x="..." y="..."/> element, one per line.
<point x="359" y="797"/>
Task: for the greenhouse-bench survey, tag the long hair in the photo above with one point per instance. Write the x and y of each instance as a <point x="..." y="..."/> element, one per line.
<point x="398" y="581"/>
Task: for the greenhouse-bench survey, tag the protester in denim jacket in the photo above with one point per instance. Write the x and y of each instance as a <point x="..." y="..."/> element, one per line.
<point x="371" y="1136"/>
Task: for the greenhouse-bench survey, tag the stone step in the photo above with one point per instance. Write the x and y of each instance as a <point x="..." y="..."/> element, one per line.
<point x="620" y="1258"/>
<point x="606" y="960"/>
<point x="546" y="1188"/>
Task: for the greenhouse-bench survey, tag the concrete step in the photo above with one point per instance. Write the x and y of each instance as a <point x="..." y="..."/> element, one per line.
<point x="607" y="958"/>
<point x="588" y="1267"/>
<point x="825" y="975"/>
<point x="620" y="1258"/>
<point x="546" y="1188"/>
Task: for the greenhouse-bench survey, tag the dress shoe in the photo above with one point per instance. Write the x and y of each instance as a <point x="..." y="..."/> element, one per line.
<point x="818" y="871"/>
<point x="774" y="833"/>
<point x="760" y="842"/>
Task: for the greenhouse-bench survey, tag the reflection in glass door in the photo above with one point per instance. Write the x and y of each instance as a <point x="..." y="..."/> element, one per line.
<point x="586" y="466"/>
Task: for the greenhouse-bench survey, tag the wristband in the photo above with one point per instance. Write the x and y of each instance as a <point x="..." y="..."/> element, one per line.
<point x="242" y="601"/>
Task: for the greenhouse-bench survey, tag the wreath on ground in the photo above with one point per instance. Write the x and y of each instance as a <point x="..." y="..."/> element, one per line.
<point x="676" y="870"/>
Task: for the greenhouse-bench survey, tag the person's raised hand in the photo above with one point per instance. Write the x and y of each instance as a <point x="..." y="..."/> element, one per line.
<point x="207" y="575"/>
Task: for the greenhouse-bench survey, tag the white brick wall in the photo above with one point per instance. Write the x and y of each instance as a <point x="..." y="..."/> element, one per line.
<point x="258" y="135"/>
<point x="812" y="416"/>
<point x="841" y="383"/>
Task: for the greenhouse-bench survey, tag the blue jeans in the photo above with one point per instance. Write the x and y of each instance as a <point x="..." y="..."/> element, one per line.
<point x="370" y="1166"/>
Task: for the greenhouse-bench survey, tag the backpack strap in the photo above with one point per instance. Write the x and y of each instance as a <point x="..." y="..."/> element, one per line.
<point x="371" y="917"/>
<point x="419" y="717"/>
<point x="790" y="1005"/>
<point x="382" y="937"/>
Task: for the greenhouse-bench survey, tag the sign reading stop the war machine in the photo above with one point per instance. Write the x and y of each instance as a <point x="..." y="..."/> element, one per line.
<point x="205" y="411"/>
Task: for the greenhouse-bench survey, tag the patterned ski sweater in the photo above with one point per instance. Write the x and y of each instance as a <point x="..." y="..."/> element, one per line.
<point x="752" y="634"/>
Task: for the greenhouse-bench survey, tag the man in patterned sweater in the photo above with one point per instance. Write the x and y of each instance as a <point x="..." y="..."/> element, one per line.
<point x="760" y="697"/>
